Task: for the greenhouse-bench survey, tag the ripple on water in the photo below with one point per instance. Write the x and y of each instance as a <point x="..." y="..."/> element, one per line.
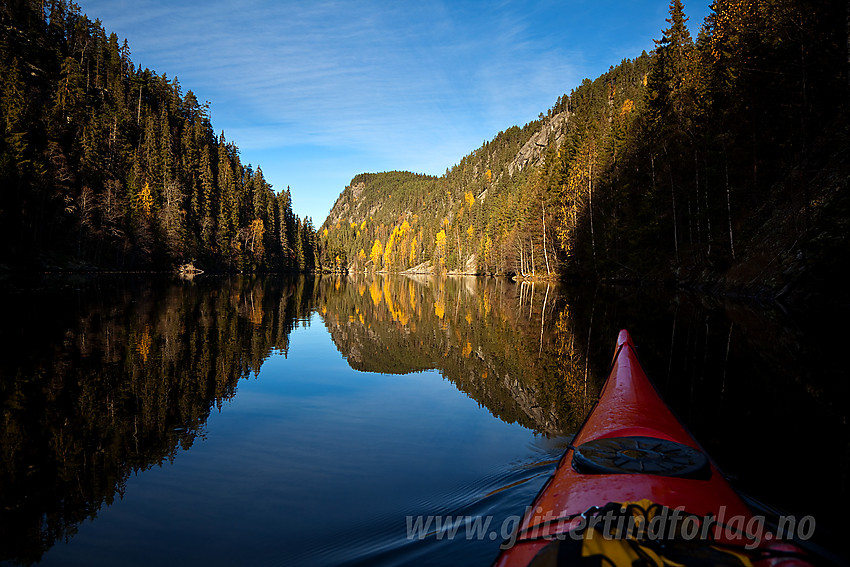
<point x="481" y="512"/>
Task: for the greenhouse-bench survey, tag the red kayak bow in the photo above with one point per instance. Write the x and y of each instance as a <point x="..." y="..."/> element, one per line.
<point x="634" y="465"/>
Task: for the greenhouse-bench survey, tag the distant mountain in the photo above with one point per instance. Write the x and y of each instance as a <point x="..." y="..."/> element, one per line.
<point x="485" y="215"/>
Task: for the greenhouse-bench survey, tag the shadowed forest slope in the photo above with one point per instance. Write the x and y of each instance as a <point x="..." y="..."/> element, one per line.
<point x="106" y="164"/>
<point x="717" y="161"/>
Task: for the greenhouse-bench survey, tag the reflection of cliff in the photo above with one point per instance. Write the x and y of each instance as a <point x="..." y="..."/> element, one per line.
<point x="504" y="345"/>
<point x="115" y="377"/>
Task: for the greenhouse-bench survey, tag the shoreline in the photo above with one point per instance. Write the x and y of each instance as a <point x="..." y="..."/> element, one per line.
<point x="798" y="298"/>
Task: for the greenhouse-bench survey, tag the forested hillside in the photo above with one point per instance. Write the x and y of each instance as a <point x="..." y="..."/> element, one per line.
<point x="719" y="160"/>
<point x="732" y="170"/>
<point x="487" y="214"/>
<point x="715" y="160"/>
<point x="103" y="163"/>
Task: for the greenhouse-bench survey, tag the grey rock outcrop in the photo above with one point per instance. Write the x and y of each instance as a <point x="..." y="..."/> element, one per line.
<point x="532" y="152"/>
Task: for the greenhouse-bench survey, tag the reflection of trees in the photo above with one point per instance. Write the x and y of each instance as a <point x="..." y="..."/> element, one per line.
<point x="113" y="378"/>
<point x="103" y="378"/>
<point x="572" y="385"/>
<point x="502" y="344"/>
<point x="756" y="384"/>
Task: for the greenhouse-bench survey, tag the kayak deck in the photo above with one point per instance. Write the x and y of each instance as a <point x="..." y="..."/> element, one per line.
<point x="630" y="449"/>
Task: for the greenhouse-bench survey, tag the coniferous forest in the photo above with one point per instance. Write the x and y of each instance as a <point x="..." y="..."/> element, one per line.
<point x="717" y="161"/>
<point x="106" y="164"/>
<point x="712" y="160"/>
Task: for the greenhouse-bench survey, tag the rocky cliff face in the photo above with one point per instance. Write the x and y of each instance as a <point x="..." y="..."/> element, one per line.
<point x="362" y="199"/>
<point x="346" y="204"/>
<point x="532" y="153"/>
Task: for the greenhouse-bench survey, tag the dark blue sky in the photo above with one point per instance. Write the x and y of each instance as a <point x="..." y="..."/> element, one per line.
<point x="317" y="92"/>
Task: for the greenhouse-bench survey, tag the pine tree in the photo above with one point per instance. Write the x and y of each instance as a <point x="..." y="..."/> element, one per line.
<point x="283" y="232"/>
<point x="227" y="220"/>
<point x="300" y="256"/>
<point x="669" y="83"/>
<point x="166" y="151"/>
<point x="206" y="198"/>
<point x="671" y="102"/>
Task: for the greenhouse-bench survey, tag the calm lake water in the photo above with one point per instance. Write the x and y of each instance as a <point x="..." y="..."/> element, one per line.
<point x="315" y="421"/>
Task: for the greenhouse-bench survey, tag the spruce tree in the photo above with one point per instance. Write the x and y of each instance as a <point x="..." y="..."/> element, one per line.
<point x="227" y="207"/>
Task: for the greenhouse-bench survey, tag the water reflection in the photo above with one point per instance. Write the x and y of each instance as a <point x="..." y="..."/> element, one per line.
<point x="108" y="377"/>
<point x="102" y="378"/>
<point x="763" y="388"/>
<point x="510" y="347"/>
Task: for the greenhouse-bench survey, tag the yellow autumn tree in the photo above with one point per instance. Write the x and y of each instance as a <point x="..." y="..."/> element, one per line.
<point x="577" y="194"/>
<point x="257" y="229"/>
<point x="376" y="254"/>
<point x="143" y="343"/>
<point x="470" y="199"/>
<point x="144" y="200"/>
<point x="403" y="243"/>
<point x="441" y="248"/>
<point x="486" y="250"/>
<point x="388" y="249"/>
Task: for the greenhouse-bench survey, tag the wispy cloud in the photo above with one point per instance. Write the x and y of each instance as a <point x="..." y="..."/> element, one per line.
<point x="413" y="84"/>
